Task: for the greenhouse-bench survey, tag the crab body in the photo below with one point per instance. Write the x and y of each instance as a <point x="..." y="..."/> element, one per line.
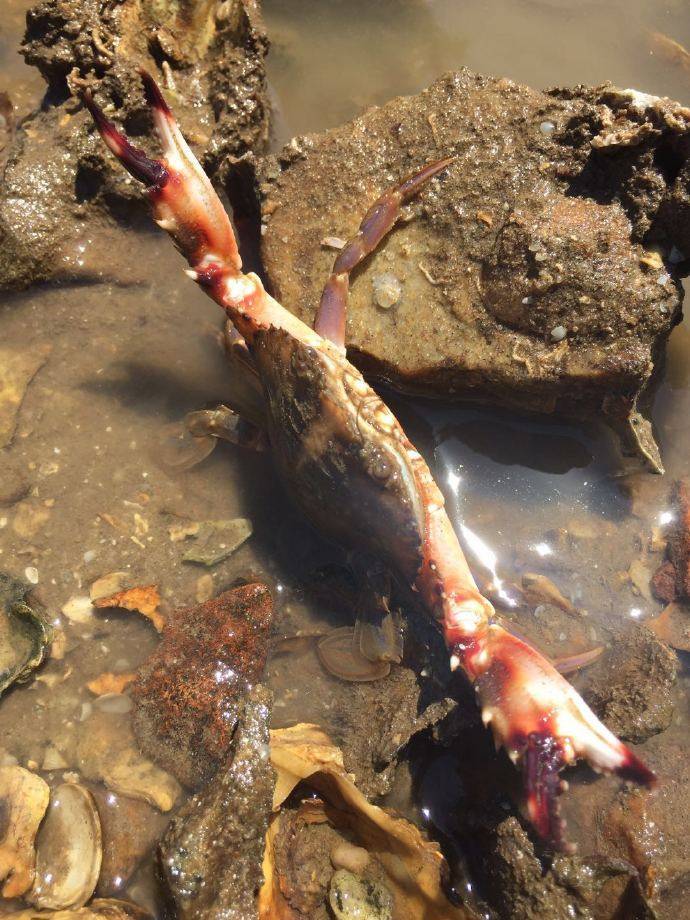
<point x="349" y="466"/>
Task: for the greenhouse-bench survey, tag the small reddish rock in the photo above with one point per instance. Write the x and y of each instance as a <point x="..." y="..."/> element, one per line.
<point x="189" y="692"/>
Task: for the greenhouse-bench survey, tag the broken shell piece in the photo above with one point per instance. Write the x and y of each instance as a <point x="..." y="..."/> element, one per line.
<point x="111" y="683"/>
<point x="24" y="634"/>
<point x="68" y="850"/>
<point x="380" y="639"/>
<point x="216" y="540"/>
<point x="672" y="626"/>
<point x="341" y="657"/>
<point x="100" y="909"/>
<point x="355" y="898"/>
<point x="387" y="290"/>
<point x="107" y="752"/>
<point x="78" y="609"/>
<point x="108" y="584"/>
<point x="539" y="589"/>
<point x="179" y="450"/>
<point x="145" y="601"/>
<point x="53" y="760"/>
<point x="23" y="802"/>
<point x="404" y="862"/>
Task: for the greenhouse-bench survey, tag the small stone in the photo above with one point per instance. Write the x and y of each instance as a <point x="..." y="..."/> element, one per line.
<point x="547" y="127"/>
<point x="31" y="574"/>
<point x="53" y="759"/>
<point x="558" y="333"/>
<point x="204" y="588"/>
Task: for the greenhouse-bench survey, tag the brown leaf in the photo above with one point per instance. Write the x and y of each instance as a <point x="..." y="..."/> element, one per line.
<point x="145" y="600"/>
<point x="111" y="683"/>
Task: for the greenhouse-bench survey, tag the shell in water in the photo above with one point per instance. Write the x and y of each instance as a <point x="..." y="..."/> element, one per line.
<point x="341" y="657"/>
<point x="68" y="850"/>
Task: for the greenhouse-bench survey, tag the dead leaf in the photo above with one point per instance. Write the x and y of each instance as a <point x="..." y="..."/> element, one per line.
<point x="111" y="683"/>
<point x="145" y="600"/>
<point x="410" y="863"/>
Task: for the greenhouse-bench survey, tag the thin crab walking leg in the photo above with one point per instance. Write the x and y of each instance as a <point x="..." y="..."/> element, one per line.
<point x="377" y="222"/>
<point x="533" y="711"/>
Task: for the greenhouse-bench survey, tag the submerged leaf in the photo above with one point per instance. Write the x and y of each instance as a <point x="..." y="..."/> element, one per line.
<point x="410" y="865"/>
<point x="24" y="634"/>
<point x="145" y="600"/>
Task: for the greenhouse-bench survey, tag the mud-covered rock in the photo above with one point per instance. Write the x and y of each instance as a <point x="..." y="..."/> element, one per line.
<point x="58" y="176"/>
<point x="211" y="855"/>
<point x="524" y="274"/>
<point x="524" y="888"/>
<point x="631" y="687"/>
<point x="189" y="693"/>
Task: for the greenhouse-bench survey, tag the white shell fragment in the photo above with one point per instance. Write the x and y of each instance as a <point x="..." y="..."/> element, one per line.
<point x="387" y="290"/>
<point x="558" y="333"/>
<point x="78" y="609"/>
<point x="68" y="850"/>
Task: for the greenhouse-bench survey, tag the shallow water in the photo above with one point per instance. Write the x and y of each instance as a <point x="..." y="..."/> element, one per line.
<point x="133" y="355"/>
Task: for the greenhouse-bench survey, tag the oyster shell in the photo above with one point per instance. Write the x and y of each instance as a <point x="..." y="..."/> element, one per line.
<point x="23" y="802"/>
<point x="404" y="864"/>
<point x="68" y="850"/>
<point x="24" y="634"/>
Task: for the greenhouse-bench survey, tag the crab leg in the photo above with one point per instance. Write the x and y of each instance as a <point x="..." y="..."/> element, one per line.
<point x="377" y="222"/>
<point x="533" y="711"/>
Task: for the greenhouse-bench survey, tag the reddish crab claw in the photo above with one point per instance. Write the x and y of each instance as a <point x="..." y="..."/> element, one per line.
<point x="349" y="466"/>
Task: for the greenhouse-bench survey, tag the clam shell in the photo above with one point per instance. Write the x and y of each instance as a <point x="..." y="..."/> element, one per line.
<point x="68" y="850"/>
<point x="341" y="657"/>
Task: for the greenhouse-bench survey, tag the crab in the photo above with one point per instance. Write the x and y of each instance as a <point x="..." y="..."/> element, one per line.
<point x="347" y="463"/>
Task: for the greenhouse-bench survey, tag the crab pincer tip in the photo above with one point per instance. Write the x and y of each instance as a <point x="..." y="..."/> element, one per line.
<point x="542" y="762"/>
<point x="635" y="771"/>
<point x="153" y="93"/>
<point x="138" y="164"/>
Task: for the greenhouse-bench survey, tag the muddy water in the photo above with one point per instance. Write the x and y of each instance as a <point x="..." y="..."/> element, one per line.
<point x="126" y="358"/>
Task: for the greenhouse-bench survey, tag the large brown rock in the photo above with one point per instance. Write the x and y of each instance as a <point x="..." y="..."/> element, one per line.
<point x="189" y="693"/>
<point x="525" y="274"/>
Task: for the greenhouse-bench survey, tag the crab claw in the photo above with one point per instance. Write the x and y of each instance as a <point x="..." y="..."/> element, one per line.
<point x="544" y="725"/>
<point x="183" y="200"/>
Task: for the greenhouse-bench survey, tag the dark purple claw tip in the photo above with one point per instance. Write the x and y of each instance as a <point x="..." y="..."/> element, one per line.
<point x="635" y="771"/>
<point x="142" y="167"/>
<point x="542" y="762"/>
<point x="153" y="94"/>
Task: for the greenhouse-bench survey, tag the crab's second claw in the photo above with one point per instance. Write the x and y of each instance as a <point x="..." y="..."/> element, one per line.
<point x="544" y="724"/>
<point x="183" y="200"/>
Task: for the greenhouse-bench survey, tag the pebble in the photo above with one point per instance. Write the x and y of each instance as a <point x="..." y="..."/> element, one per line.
<point x="558" y="333"/>
<point x="348" y="856"/>
<point x="31" y="574"/>
<point x="547" y="127"/>
<point x="114" y="702"/>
